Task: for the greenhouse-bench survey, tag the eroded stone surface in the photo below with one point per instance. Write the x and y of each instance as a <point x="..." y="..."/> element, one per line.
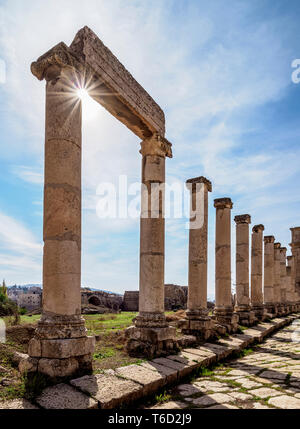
<point x="63" y="396"/>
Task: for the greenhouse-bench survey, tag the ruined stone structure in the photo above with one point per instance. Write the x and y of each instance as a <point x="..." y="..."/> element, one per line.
<point x="175" y="298"/>
<point x="197" y="321"/>
<point x="61" y="346"/>
<point x="243" y="307"/>
<point x="111" y="301"/>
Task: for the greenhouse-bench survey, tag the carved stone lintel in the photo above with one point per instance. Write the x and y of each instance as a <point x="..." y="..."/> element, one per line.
<point x="223" y="203"/>
<point x="200" y="179"/>
<point x="258" y="228"/>
<point x="245" y="218"/>
<point x="156" y="145"/>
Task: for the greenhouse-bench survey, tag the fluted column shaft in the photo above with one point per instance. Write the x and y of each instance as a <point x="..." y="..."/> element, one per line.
<point x="277" y="280"/>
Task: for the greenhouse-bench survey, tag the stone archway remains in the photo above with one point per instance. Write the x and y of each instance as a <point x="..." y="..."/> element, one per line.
<point x="61" y="347"/>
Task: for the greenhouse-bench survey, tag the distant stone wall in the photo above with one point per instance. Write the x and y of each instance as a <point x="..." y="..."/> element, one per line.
<point x="131" y="301"/>
<point x="175" y="298"/>
<point x="110" y="301"/>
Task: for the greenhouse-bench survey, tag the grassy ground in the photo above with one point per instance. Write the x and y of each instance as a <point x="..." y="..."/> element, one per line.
<point x="109" y="353"/>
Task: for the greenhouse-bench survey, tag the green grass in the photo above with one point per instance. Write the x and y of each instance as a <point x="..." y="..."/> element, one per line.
<point x="163" y="397"/>
<point x="104" y="353"/>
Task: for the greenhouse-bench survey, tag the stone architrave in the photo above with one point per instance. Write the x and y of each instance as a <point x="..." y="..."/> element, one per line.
<point x="224" y="311"/>
<point x="197" y="321"/>
<point x="151" y="333"/>
<point x="243" y="307"/>
<point x="269" y="261"/>
<point x="257" y="300"/>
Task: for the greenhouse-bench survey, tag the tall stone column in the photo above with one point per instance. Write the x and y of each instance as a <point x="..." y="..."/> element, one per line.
<point x="257" y="300"/>
<point x="283" y="278"/>
<point x="61" y="345"/>
<point x="295" y="246"/>
<point x="269" y="261"/>
<point x="243" y="308"/>
<point x="291" y="293"/>
<point x="277" y="279"/>
<point x="151" y="334"/>
<point x="223" y="313"/>
<point x="197" y="321"/>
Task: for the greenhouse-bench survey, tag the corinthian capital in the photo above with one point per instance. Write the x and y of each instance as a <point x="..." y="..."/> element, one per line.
<point x="156" y="145"/>
<point x="50" y="65"/>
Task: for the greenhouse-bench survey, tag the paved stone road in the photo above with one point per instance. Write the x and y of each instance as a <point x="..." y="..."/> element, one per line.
<point x="269" y="377"/>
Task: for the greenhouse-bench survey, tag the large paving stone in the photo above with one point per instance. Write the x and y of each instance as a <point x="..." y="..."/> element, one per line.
<point x="63" y="396"/>
<point x="182" y="369"/>
<point x="285" y="402"/>
<point x="240" y="396"/>
<point x="17" y="404"/>
<point x="110" y="391"/>
<point x="149" y="379"/>
<point x="209" y="385"/>
<point x="265" y="392"/>
<point x="165" y="371"/>
<point x="214" y="398"/>
<point x="273" y="375"/>
<point x="186" y="390"/>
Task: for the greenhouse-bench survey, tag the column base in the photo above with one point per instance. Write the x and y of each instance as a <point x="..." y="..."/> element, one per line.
<point x="226" y="318"/>
<point x="260" y="312"/>
<point x="198" y="324"/>
<point x="61" y="348"/>
<point x="151" y="342"/>
<point x="246" y="316"/>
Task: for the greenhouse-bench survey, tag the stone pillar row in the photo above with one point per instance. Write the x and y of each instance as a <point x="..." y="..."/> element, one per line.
<point x="273" y="294"/>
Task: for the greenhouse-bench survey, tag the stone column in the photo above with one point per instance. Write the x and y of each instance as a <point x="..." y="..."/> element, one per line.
<point x="291" y="293"/>
<point x="197" y="321"/>
<point x="277" y="279"/>
<point x="223" y="313"/>
<point x="257" y="300"/>
<point x="295" y="246"/>
<point x="243" y="308"/>
<point x="283" y="278"/>
<point x="269" y="298"/>
<point x="151" y="334"/>
<point x="61" y="345"/>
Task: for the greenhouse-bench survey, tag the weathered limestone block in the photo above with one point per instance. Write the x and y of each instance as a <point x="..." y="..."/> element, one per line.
<point x="62" y="397"/>
<point x="109" y="390"/>
<point x="63" y="348"/>
<point x="149" y="379"/>
<point x="115" y="88"/>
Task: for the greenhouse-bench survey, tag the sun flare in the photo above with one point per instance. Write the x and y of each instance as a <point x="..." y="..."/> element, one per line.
<point x="90" y="108"/>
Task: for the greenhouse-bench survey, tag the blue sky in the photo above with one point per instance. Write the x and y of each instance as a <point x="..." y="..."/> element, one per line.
<point x="221" y="71"/>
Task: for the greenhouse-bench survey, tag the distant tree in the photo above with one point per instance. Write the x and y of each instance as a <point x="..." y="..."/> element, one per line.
<point x="3" y="289"/>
